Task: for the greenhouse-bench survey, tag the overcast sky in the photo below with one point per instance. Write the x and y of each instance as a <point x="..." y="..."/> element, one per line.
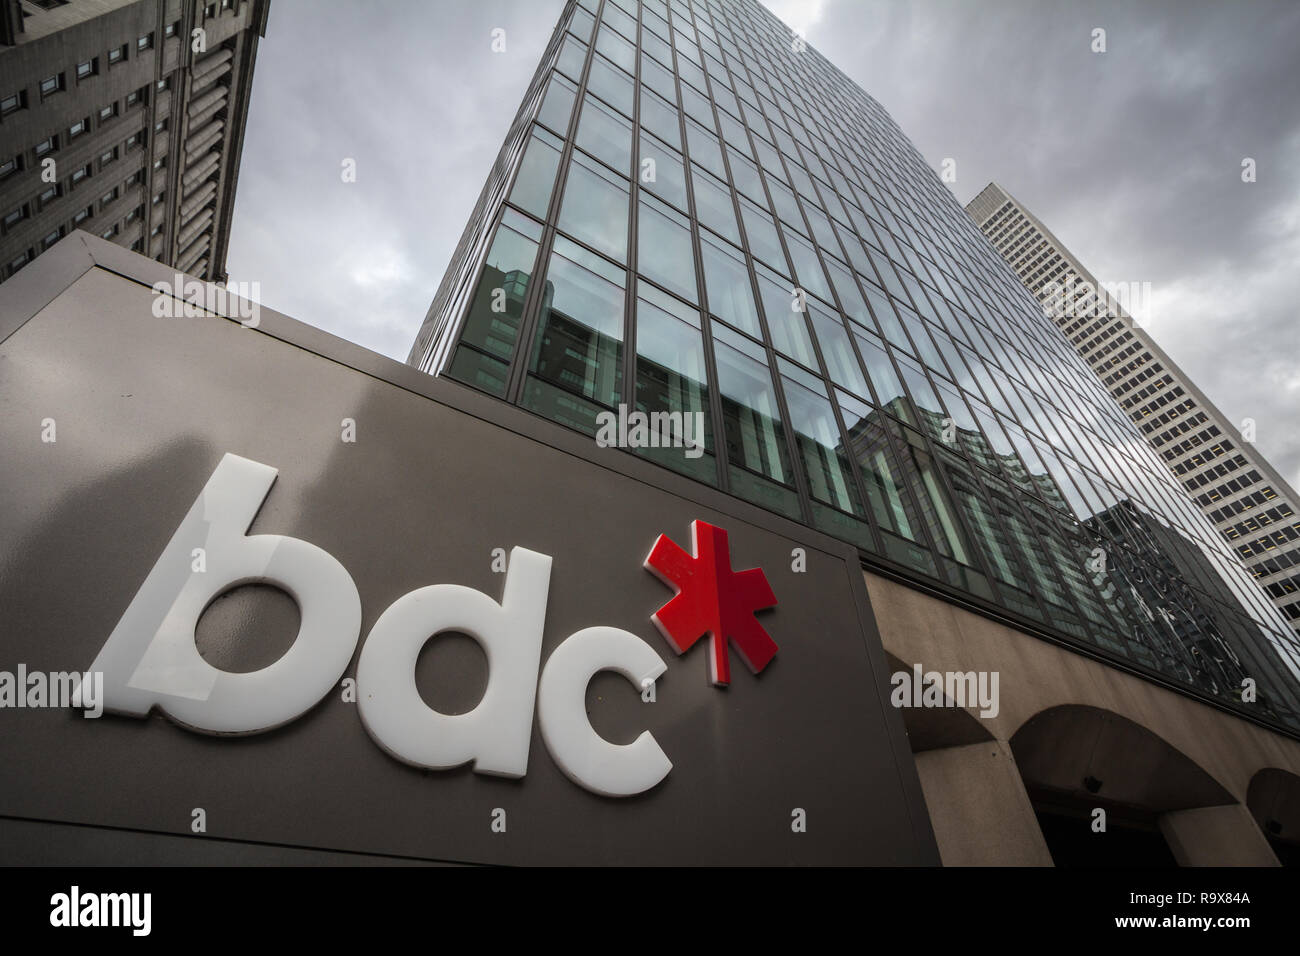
<point x="1132" y="157"/>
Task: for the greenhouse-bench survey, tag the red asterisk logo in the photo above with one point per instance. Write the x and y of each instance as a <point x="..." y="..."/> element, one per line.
<point x="712" y="599"/>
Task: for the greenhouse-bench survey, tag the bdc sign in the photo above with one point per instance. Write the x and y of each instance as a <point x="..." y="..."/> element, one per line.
<point x="151" y="659"/>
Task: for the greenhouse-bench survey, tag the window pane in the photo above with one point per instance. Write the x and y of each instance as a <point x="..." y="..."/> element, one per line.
<point x="880" y="468"/>
<point x="788" y="328"/>
<point x="664" y="248"/>
<point x="658" y="79"/>
<point x="595" y="208"/>
<point x="671" y="378"/>
<point x="786" y="207"/>
<point x="493" y="318"/>
<point x="661" y="119"/>
<point x="611" y="84"/>
<point x="532" y="189"/>
<point x="807" y="268"/>
<point x="616" y="48"/>
<point x="830" y="479"/>
<point x="745" y="175"/>
<point x="731" y="297"/>
<point x="883" y="378"/>
<point x="579" y="346"/>
<point x="704" y="149"/>
<point x="605" y="135"/>
<point x="666" y="178"/>
<point x="572" y="56"/>
<point x="850" y="298"/>
<point x="763" y="241"/>
<point x="750" y="416"/>
<point x="557" y="106"/>
<point x="713" y="205"/>
<point x="837" y="351"/>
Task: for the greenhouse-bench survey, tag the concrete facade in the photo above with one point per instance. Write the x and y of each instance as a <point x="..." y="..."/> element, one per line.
<point x="1185" y="761"/>
<point x="125" y="118"/>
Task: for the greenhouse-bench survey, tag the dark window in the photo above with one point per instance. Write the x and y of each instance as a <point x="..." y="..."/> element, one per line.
<point x="13" y="102"/>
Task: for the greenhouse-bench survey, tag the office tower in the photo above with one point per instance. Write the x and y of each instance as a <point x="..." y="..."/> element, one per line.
<point x="695" y="212"/>
<point x="124" y="118"/>
<point x="1251" y="505"/>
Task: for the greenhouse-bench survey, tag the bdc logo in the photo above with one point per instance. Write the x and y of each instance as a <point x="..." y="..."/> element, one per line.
<point x="151" y="658"/>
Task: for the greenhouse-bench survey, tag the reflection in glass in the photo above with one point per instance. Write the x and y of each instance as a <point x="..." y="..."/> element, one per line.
<point x="751" y="422"/>
<point x="825" y="459"/>
<point x="731" y="297"/>
<point x="577" y="358"/>
<point x="671" y="377"/>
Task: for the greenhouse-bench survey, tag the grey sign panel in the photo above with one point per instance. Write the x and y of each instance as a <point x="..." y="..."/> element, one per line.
<point x="145" y="407"/>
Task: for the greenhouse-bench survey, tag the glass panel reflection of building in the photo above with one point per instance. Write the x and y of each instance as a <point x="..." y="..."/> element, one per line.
<point x="724" y="224"/>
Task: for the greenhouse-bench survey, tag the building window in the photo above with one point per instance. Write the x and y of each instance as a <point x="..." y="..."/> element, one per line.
<point x="137" y="96"/>
<point x="52" y="238"/>
<point x="9" y="167"/>
<point x="108" y="112"/>
<point x="107" y="157"/>
<point x="50" y="194"/>
<point x="136" y="246"/>
<point x="51" y="85"/>
<point x="156" y="230"/>
<point x="46" y="146"/>
<point x="117" y="55"/>
<point x="134" y="214"/>
<point x="169" y="30"/>
<point x="577" y="358"/>
<point x="87" y="69"/>
<point x="79" y="174"/>
<point x="144" y="42"/>
<point x="110" y="232"/>
<point x="15" y="216"/>
<point x="595" y="208"/>
<point x="19" y="261"/>
<point x="133" y="179"/>
<point x="83" y="215"/>
<point x="13" y="103"/>
<point x="77" y="128"/>
<point x="160" y="126"/>
<point x="107" y="199"/>
<point x="160" y="162"/>
<point x="159" y="198"/>
<point x="165" y="83"/>
<point x="134" y="140"/>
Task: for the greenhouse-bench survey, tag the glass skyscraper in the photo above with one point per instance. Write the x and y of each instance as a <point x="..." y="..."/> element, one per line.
<point x="694" y="211"/>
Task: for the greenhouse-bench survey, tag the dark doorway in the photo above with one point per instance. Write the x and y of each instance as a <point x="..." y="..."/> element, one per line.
<point x="1131" y="837"/>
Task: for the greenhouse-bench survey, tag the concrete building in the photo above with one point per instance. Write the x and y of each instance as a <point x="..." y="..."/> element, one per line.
<point x="1222" y="471"/>
<point x="694" y="213"/>
<point x="124" y="118"/>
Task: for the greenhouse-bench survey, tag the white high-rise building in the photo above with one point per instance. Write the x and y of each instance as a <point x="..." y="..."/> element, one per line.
<point x="1222" y="471"/>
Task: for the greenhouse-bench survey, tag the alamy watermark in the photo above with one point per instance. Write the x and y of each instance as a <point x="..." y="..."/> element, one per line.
<point x="183" y="297"/>
<point x="58" y="689"/>
<point x="920" y="688"/>
<point x="636" y="429"/>
<point x="1075" y="298"/>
